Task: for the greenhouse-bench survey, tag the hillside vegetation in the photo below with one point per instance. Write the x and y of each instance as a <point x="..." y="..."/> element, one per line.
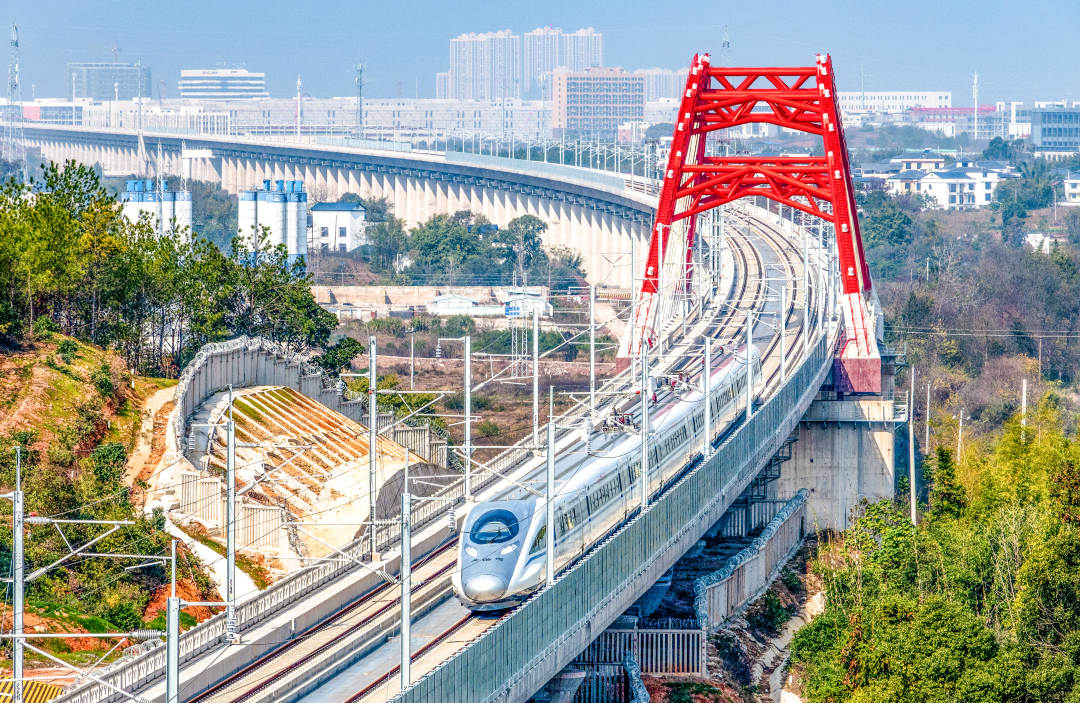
<point x="75" y="412"/>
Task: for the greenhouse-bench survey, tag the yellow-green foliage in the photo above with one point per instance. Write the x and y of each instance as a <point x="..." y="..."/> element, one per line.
<point x="980" y="603"/>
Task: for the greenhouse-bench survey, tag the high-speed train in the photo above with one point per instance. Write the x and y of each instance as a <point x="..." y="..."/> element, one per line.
<point x="502" y="550"/>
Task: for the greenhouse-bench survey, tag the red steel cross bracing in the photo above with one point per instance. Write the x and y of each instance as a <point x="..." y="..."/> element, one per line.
<point x="717" y="98"/>
<point x="802" y="99"/>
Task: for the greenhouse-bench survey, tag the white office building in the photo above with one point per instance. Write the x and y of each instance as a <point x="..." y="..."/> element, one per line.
<point x="891" y="101"/>
<point x="338" y="227"/>
<point x="280" y="206"/>
<point x="222" y="84"/>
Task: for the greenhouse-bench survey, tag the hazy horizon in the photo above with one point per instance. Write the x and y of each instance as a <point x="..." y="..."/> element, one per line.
<point x="876" y="46"/>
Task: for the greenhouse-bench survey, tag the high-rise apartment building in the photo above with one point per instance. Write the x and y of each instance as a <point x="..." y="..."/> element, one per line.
<point x="541" y="50"/>
<point x="108" y="81"/>
<point x="442" y="85"/>
<point x="546" y="48"/>
<point x="593" y="103"/>
<point x="485" y="66"/>
<point x="662" y="83"/>
<point x="583" y="49"/>
<point x="222" y="84"/>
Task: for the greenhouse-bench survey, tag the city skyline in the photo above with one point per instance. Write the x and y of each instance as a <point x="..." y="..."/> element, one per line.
<point x="883" y="48"/>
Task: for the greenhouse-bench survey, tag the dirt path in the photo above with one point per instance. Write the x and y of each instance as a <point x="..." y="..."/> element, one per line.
<point x="150" y="444"/>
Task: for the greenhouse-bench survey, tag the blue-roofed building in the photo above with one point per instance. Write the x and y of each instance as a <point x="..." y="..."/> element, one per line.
<point x="338" y="227"/>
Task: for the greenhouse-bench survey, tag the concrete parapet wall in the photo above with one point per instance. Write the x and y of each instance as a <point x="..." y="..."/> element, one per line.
<point x="747" y="574"/>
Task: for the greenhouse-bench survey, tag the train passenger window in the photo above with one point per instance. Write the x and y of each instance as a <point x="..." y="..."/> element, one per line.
<point x="494" y="527"/>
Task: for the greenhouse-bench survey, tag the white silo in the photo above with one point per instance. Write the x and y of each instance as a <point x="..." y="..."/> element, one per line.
<point x="280" y="206"/>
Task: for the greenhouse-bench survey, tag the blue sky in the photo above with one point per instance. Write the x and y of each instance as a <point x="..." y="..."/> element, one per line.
<point x="1022" y="50"/>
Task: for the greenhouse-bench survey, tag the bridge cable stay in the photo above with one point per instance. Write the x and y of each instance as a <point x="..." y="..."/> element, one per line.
<point x="797" y="98"/>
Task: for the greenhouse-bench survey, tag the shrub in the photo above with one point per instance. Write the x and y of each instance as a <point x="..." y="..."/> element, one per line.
<point x="102" y="380"/>
<point x="767" y="614"/>
<point x="109" y="460"/>
<point x="791" y="579"/>
<point x="44" y="327"/>
<point x="488" y="428"/>
<point x="60" y="455"/>
<point x="124" y="617"/>
<point x="67" y="348"/>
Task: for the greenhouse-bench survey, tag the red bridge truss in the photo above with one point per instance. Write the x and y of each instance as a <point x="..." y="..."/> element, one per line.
<point x="718" y="98"/>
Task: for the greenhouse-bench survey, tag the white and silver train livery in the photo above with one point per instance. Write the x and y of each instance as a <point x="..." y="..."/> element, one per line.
<point x="502" y="550"/>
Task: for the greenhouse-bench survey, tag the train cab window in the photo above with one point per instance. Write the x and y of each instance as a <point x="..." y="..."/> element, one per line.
<point x="538" y="543"/>
<point x="494" y="527"/>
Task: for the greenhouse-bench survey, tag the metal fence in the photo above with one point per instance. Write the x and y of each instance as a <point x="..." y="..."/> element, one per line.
<point x="742" y="578"/>
<point x="488" y="668"/>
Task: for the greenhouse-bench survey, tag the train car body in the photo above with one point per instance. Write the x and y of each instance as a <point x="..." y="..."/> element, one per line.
<point x="502" y="550"/>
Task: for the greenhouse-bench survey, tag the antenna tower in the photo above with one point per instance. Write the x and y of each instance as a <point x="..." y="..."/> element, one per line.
<point x="975" y="97"/>
<point x="13" y="145"/>
<point x="358" y="80"/>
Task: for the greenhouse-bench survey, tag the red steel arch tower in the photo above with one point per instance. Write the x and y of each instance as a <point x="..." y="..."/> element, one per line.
<point x="797" y="98"/>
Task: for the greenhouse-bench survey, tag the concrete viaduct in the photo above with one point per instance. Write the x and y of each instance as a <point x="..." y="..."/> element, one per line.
<point x="595" y="214"/>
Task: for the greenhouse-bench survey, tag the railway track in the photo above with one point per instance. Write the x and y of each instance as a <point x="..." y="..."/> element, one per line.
<point x="371" y="620"/>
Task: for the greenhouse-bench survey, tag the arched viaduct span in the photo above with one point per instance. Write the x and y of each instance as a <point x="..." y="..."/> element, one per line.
<point x="593" y="213"/>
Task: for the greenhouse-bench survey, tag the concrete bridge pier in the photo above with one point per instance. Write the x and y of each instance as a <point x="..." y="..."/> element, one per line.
<point x="845" y="453"/>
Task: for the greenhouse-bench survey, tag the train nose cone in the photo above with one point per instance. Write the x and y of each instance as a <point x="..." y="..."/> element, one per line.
<point x="484" y="588"/>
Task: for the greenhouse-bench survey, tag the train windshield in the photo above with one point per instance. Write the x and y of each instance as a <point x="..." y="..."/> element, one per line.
<point x="495" y="527"/>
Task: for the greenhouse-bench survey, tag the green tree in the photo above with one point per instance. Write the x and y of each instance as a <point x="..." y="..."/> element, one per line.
<point x="213" y="213"/>
<point x="883" y="220"/>
<point x="946" y="495"/>
<point x="339" y="355"/>
<point x="998" y="150"/>
<point x="388" y="242"/>
<point x="519" y="244"/>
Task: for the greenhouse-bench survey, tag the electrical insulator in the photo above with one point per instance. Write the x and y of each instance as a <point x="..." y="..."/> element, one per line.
<point x="143" y="635"/>
<point x="438" y="350"/>
<point x="453" y="520"/>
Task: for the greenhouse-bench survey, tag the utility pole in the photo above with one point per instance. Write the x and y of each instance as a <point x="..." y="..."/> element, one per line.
<point x="358" y="80"/>
<point x="19" y="569"/>
<point x="1023" y="407"/>
<point x="230" y="525"/>
<point x="644" y="428"/>
<point x="911" y="449"/>
<point x="749" y="366"/>
<point x="406" y="579"/>
<point x="592" y="355"/>
<point x="926" y="439"/>
<point x="373" y="419"/>
<point x="412" y="358"/>
<point x="468" y="418"/>
<point x="298" y="86"/>
<point x="172" y="637"/>
<point x="536" y="378"/>
<point x="783" y="331"/>
<point x="550" y="505"/>
<point x="706" y="390"/>
<point x="806" y="291"/>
